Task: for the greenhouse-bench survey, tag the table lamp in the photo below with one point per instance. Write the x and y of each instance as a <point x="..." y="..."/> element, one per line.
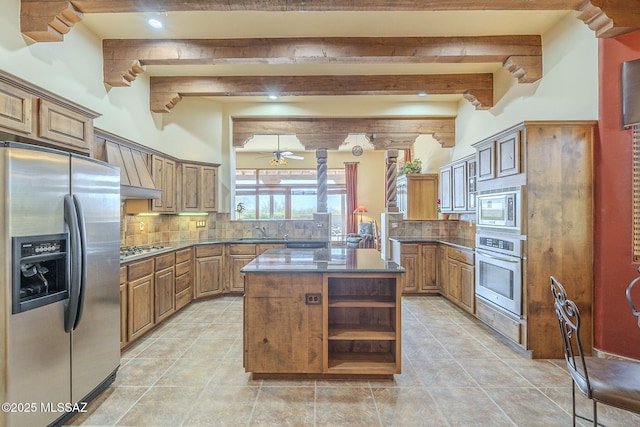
<point x="360" y="210"/>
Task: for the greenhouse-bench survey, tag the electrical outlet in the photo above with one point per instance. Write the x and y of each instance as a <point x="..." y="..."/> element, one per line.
<point x="201" y="224"/>
<point x="313" y="299"/>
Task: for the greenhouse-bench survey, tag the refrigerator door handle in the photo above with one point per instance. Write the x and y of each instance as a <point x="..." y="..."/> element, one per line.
<point x="71" y="219"/>
<point x="83" y="259"/>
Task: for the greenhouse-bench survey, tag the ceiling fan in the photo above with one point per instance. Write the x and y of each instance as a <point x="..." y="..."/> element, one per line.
<point x="280" y="157"/>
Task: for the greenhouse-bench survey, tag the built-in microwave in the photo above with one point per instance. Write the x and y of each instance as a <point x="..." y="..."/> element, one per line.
<point x="500" y="209"/>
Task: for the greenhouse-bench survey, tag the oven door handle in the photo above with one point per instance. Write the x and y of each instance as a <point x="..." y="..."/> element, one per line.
<point x="499" y="258"/>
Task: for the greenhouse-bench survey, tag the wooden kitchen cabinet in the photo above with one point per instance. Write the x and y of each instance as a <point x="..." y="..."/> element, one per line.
<point x="441" y="259"/>
<point x="33" y="112"/>
<point x="460" y="283"/>
<point x="184" y="277"/>
<point x="286" y="333"/>
<point x="508" y="159"/>
<point x="140" y="305"/>
<point x="456" y="194"/>
<point x="417" y="195"/>
<point x="165" y="286"/>
<point x="163" y="172"/>
<point x="199" y="184"/>
<point x="486" y="160"/>
<point x="209" y="271"/>
<point x="124" y="340"/>
<point x="419" y="261"/>
<point x="239" y="256"/>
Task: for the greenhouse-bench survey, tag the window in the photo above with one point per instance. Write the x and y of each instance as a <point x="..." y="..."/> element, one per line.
<point x="289" y="194"/>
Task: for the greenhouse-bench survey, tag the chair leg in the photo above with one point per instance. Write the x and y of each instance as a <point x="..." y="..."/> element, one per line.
<point x="573" y="401"/>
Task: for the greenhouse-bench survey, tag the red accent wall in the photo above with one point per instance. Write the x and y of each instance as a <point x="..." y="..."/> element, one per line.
<point x="616" y="329"/>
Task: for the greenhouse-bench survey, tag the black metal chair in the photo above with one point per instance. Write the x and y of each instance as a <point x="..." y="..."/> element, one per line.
<point x="634" y="311"/>
<point x="608" y="381"/>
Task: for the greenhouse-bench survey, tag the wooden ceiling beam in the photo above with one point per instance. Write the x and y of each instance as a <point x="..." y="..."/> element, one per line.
<point x="330" y="132"/>
<point x="124" y="59"/>
<point x="49" y="20"/>
<point x="166" y="91"/>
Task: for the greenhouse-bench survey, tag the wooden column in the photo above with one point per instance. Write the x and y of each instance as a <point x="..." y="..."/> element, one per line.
<point x="321" y="156"/>
<point x="392" y="170"/>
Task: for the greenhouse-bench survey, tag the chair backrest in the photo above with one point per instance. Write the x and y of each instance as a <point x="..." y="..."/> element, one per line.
<point x="569" y="322"/>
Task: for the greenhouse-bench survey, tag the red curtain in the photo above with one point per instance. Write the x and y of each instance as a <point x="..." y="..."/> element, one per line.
<point x="407" y="156"/>
<point x="351" y="176"/>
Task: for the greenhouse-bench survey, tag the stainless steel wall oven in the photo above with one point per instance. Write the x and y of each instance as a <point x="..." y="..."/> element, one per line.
<point x="499" y="271"/>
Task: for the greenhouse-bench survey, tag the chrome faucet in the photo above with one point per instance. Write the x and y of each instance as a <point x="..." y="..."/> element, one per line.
<point x="262" y="230"/>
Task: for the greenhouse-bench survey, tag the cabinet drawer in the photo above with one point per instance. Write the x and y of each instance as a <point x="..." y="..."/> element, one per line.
<point x="183" y="255"/>
<point x="123" y="274"/>
<point x="183" y="282"/>
<point x="461" y="255"/>
<point x="183" y="268"/>
<point x="208" y="250"/>
<point x="409" y="248"/>
<point x="165" y="261"/>
<point x="183" y="298"/>
<point x="239" y="249"/>
<point x="137" y="270"/>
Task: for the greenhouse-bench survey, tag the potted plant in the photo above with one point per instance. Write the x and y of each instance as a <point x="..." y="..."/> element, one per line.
<point x="412" y="166"/>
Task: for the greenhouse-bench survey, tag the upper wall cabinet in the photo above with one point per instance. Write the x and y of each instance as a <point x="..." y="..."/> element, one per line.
<point x="31" y="112"/>
<point x="198" y="187"/>
<point x="500" y="159"/>
<point x="458" y="185"/>
<point x="417" y="194"/>
<point x="163" y="172"/>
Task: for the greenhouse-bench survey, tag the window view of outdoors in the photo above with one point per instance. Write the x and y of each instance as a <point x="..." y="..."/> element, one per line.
<point x="289" y="194"/>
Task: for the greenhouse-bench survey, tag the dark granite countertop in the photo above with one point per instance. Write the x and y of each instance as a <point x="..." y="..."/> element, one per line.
<point x="451" y="241"/>
<point x="174" y="246"/>
<point x="321" y="261"/>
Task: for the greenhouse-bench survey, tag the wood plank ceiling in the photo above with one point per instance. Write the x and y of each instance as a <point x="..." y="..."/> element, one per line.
<point x="520" y="54"/>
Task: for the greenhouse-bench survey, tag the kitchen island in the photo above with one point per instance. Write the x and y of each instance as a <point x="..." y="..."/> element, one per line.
<point x="330" y="313"/>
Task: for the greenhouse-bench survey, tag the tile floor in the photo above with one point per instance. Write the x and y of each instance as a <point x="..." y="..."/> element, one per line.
<point x="455" y="372"/>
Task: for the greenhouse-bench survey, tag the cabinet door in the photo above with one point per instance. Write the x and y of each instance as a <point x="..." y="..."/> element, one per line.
<point x="140" y="307"/>
<point x="208" y="276"/>
<point x="429" y="267"/>
<point x="486" y="161"/>
<point x="169" y="193"/>
<point x="467" y="288"/>
<point x="236" y="276"/>
<point x="453" y="281"/>
<point x="157" y="173"/>
<point x="165" y="294"/>
<point x="16" y="109"/>
<point x="508" y="155"/>
<point x="283" y="334"/>
<point x="401" y="194"/>
<point x="442" y="269"/>
<point x="65" y="128"/>
<point x="412" y="266"/>
<point x="446" y="190"/>
<point x="190" y="187"/>
<point x="459" y="186"/>
<point x="472" y="166"/>
<point x="208" y="194"/>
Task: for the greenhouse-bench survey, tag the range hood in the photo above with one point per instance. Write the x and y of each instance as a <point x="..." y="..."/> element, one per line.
<point x="135" y="179"/>
<point x="631" y="93"/>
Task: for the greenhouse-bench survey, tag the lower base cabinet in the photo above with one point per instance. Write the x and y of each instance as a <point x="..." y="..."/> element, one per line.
<point x="460" y="283"/>
<point x="209" y="269"/>
<point x="328" y="324"/>
<point x="140" y="296"/>
<point x="420" y="263"/>
<point x="286" y="333"/>
<point x="184" y="277"/>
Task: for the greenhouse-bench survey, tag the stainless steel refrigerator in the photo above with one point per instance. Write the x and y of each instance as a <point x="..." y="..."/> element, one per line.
<point x="59" y="305"/>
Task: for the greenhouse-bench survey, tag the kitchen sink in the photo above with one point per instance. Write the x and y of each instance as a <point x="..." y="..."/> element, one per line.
<point x="280" y="239"/>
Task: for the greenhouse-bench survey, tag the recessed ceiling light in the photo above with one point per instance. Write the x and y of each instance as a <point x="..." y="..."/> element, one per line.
<point x="155" y="23"/>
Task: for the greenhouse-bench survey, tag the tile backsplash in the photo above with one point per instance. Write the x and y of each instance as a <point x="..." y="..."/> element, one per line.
<point x="138" y="230"/>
